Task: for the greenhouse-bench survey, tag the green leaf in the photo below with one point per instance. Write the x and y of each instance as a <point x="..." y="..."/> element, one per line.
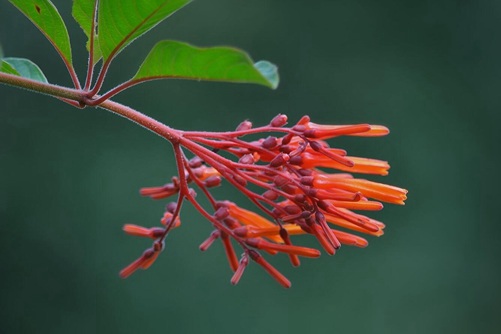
<point x="46" y="17"/>
<point x="83" y="13"/>
<point x="122" y="21"/>
<point x="5" y="67"/>
<point x="22" y="67"/>
<point x="171" y="59"/>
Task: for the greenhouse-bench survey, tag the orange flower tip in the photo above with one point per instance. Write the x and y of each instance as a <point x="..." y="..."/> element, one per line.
<point x="230" y="252"/>
<point x="378" y="130"/>
<point x="272" y="271"/>
<point x="362" y="243"/>
<point x="289" y="249"/>
<point x="127" y="271"/>
<point x="150" y="190"/>
<point x="159" y="192"/>
<point x="294" y="260"/>
<point x="140" y="231"/>
<point x="304" y="120"/>
<point x="149" y="261"/>
<point x="141" y="262"/>
<point x="322" y="239"/>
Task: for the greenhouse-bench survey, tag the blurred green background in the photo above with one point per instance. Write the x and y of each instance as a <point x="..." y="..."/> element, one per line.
<point x="69" y="179"/>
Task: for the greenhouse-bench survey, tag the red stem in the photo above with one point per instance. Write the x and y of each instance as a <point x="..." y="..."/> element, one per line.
<point x="90" y="66"/>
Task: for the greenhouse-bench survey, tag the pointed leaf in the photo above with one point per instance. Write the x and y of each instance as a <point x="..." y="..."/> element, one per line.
<point x="83" y="12"/>
<point x="172" y="59"/>
<point x="46" y="17"/>
<point x="22" y="67"/>
<point x="122" y="21"/>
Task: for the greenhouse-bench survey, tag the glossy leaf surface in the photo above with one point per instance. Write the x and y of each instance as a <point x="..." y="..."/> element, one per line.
<point x="172" y="59"/>
<point x="45" y="16"/>
<point x="22" y="67"/>
<point x="122" y="21"/>
<point x="83" y="13"/>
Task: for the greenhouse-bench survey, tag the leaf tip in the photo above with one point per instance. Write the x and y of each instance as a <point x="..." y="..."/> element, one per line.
<point x="269" y="72"/>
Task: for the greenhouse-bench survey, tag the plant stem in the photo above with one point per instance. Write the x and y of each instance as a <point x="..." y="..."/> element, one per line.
<point x="79" y="96"/>
<point x="41" y="87"/>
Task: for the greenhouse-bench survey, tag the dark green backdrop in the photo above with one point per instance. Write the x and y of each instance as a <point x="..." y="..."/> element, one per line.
<point x="69" y="178"/>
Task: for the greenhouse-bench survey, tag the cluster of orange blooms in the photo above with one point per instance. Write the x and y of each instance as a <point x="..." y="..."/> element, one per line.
<point x="297" y="182"/>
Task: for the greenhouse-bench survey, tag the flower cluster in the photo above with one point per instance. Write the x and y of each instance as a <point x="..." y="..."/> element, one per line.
<point x="298" y="183"/>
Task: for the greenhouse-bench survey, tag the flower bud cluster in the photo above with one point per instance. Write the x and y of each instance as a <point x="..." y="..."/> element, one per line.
<point x="297" y="182"/>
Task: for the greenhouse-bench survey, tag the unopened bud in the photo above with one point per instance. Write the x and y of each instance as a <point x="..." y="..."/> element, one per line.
<point x="195" y="162"/>
<point x="289" y="189"/>
<point x="316" y="146"/>
<point x="270" y="143"/>
<point x="270" y="195"/>
<point x="287" y="139"/>
<point x="279" y="121"/>
<point x="299" y="128"/>
<point x="300" y="198"/>
<point x="246" y="159"/>
<point x="158" y="246"/>
<point x="221" y="213"/>
<point x="212" y="181"/>
<point x="286" y="148"/>
<point x="304" y="120"/>
<point x="305" y="172"/>
<point x="245" y="125"/>
<point x="279" y="160"/>
<point x="292" y="209"/>
<point x="280" y="181"/>
<point x="171" y="207"/>
<point x="231" y="222"/>
<point x="307" y="180"/>
<point x="297" y="160"/>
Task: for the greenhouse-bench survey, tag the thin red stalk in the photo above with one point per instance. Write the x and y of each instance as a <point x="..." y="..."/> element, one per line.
<point x="208" y="155"/>
<point x="41" y="87"/>
<point x="69" y="66"/>
<point x="225" y="135"/>
<point x="113" y="53"/>
<point x="253" y="197"/>
<point x="90" y="66"/>
<point x="200" y="184"/>
<point x="230" y="143"/>
<point x="219" y="144"/>
<point x="114" y="91"/>
<point x="175" y="215"/>
<point x="73" y="75"/>
<point x="73" y="103"/>
<point x="183" y="183"/>
<point x="100" y="78"/>
<point x="184" y="188"/>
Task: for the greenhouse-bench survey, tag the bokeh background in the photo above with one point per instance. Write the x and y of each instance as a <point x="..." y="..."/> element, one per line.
<point x="69" y="178"/>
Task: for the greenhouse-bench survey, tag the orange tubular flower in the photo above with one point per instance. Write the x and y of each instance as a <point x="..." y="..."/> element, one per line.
<point x="282" y="177"/>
